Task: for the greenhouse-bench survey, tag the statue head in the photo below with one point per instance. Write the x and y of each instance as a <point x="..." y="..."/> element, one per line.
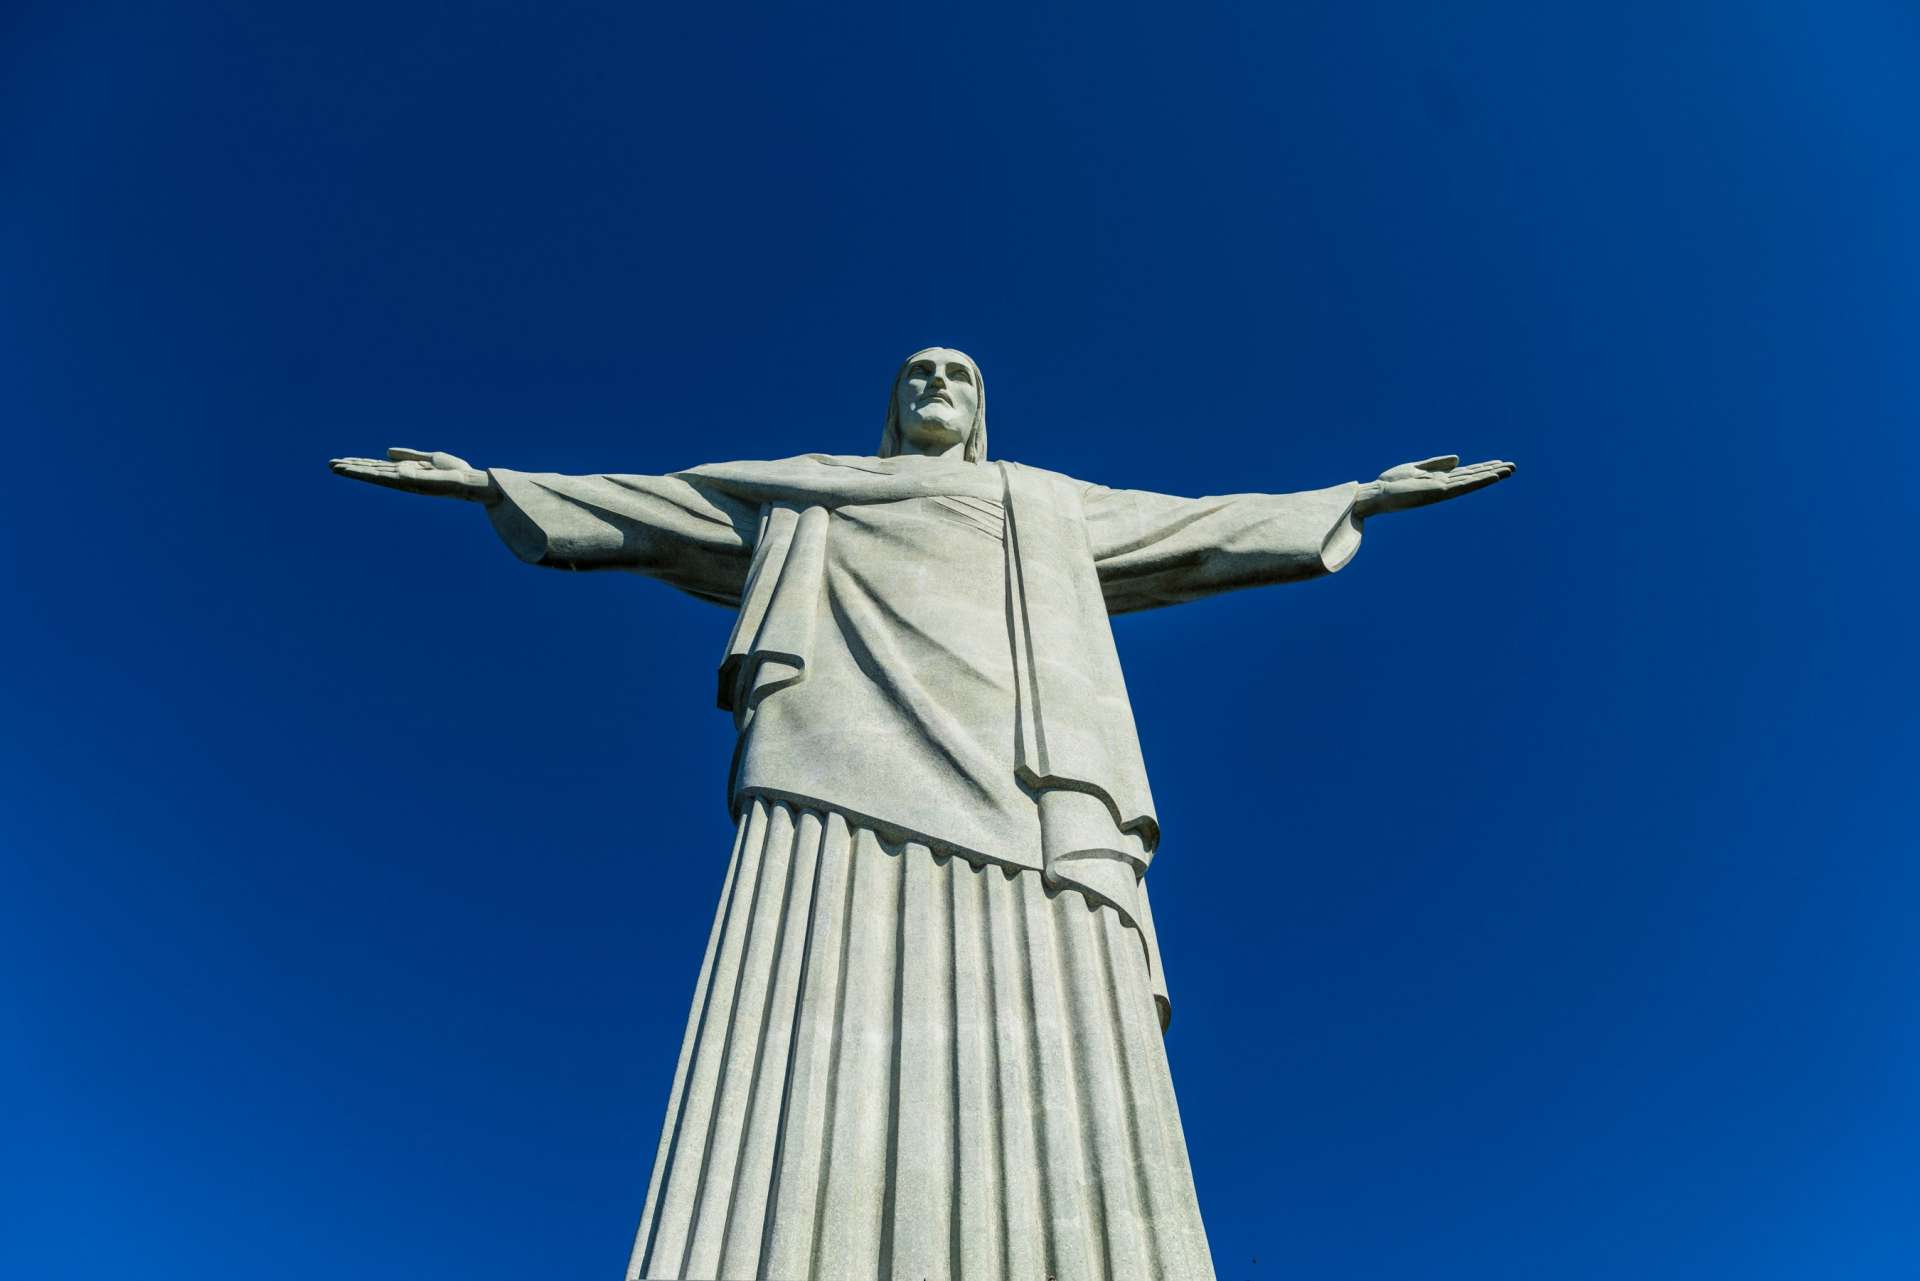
<point x="938" y="401"/>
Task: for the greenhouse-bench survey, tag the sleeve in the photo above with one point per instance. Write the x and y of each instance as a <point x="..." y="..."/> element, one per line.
<point x="678" y="528"/>
<point x="1156" y="549"/>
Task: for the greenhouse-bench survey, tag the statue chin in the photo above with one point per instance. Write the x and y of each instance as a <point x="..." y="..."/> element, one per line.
<point x="930" y="438"/>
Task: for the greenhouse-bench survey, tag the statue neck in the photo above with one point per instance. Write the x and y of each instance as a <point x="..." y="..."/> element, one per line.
<point x="956" y="451"/>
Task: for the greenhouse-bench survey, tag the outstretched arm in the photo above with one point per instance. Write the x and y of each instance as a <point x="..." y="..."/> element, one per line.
<point x="678" y="528"/>
<point x="1155" y="549"/>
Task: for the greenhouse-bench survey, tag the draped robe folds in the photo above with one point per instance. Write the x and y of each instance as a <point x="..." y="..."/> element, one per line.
<point x="922" y="645"/>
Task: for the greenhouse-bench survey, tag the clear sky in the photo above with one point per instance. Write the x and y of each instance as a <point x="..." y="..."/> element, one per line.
<point x="1538" y="893"/>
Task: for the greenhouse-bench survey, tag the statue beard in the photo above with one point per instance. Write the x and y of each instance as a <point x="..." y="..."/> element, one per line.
<point x="933" y="435"/>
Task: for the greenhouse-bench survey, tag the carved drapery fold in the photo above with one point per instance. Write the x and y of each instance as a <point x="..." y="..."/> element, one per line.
<point x="756" y="535"/>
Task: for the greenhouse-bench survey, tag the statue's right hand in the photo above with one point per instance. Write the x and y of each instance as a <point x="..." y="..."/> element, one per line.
<point x="418" y="472"/>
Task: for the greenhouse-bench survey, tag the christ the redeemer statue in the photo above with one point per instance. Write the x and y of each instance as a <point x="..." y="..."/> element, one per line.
<point x="926" y="1039"/>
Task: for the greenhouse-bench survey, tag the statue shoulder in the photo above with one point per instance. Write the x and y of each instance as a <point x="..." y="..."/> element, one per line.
<point x="1057" y="479"/>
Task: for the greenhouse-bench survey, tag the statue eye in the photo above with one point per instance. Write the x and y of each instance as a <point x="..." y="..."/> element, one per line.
<point x="961" y="375"/>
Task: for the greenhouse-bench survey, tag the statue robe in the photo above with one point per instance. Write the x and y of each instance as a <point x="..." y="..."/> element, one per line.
<point x="922" y="671"/>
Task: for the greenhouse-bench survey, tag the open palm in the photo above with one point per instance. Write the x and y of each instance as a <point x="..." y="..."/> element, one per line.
<point x="1432" y="480"/>
<point x="420" y="472"/>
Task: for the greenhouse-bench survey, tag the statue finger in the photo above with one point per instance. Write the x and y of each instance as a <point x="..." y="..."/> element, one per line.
<point x="400" y="454"/>
<point x="1440" y="462"/>
<point x="1471" y="483"/>
<point x="375" y="473"/>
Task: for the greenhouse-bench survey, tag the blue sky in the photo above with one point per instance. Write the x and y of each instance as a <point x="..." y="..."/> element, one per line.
<point x="1537" y="894"/>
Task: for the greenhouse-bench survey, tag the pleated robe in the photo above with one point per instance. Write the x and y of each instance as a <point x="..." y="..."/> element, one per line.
<point x="902" y="1063"/>
<point x="925" y="1040"/>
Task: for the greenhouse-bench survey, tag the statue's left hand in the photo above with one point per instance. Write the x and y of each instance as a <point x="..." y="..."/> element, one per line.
<point x="419" y="472"/>
<point x="1433" y="480"/>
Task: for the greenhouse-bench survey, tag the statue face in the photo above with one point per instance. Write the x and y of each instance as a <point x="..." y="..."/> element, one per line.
<point x="937" y="401"/>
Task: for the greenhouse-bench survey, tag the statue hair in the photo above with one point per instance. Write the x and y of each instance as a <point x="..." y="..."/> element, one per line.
<point x="975" y="449"/>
